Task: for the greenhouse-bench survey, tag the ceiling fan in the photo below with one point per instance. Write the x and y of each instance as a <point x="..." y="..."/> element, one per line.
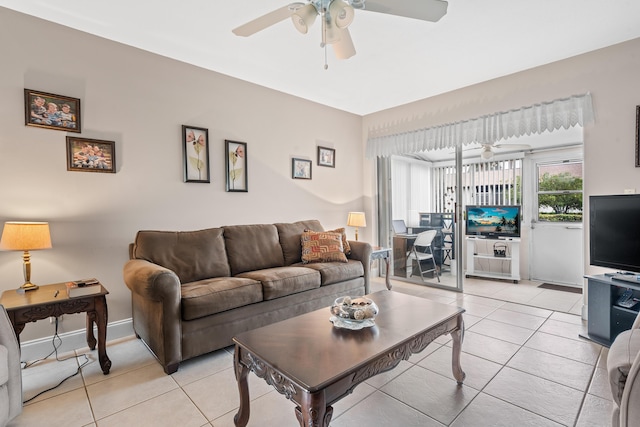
<point x="337" y="15"/>
<point x="488" y="149"/>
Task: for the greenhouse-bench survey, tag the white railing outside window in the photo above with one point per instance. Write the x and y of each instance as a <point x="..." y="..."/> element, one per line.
<point x="483" y="183"/>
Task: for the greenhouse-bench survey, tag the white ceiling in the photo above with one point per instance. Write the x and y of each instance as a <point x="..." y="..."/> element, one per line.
<point x="398" y="60"/>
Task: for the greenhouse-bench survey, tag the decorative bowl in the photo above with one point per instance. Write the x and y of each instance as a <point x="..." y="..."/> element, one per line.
<point x="353" y="313"/>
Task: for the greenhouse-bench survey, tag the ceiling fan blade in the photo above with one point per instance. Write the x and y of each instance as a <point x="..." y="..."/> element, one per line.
<point x="466" y="149"/>
<point x="425" y="10"/>
<point x="265" y="21"/>
<point x="344" y="48"/>
<point x="516" y="146"/>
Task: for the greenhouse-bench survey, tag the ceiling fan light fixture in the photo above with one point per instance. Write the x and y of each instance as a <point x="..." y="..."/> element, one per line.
<point x="344" y="49"/>
<point x="304" y="17"/>
<point x="330" y="34"/>
<point x="487" y="153"/>
<point x="341" y="13"/>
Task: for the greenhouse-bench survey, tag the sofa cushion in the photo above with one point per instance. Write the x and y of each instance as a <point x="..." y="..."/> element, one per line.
<point x="334" y="272"/>
<point x="322" y="246"/>
<point x="205" y="297"/>
<point x="346" y="247"/>
<point x="282" y="281"/>
<point x="192" y="255"/>
<point x="290" y="234"/>
<point x="621" y="355"/>
<point x="252" y="247"/>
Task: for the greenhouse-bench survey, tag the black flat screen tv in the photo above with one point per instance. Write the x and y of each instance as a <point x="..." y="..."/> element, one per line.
<point x="493" y="221"/>
<point x="614" y="232"/>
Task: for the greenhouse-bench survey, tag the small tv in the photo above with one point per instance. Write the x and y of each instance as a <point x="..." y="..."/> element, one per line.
<point x="493" y="221"/>
<point x="614" y="232"/>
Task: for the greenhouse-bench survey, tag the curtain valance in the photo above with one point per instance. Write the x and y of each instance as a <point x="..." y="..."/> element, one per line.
<point x="534" y="119"/>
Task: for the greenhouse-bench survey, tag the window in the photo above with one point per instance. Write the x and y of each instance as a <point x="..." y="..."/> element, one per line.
<point x="560" y="192"/>
<point x="483" y="183"/>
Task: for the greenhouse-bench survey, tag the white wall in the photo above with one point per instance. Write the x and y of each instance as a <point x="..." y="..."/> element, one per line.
<point x="610" y="74"/>
<point x="140" y="100"/>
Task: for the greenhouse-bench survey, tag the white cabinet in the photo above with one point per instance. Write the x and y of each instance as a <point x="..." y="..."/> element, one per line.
<point x="483" y="262"/>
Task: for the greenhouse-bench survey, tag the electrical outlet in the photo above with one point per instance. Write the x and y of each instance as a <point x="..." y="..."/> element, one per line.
<point x="52" y="319"/>
<point x="629" y="191"/>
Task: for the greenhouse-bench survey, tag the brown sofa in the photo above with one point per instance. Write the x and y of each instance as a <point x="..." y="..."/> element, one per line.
<point x="193" y="291"/>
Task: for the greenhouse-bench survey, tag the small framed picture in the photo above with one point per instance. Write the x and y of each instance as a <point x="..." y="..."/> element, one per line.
<point x="301" y="169"/>
<point x="49" y="111"/>
<point x="326" y="157"/>
<point x="195" y="146"/>
<point x="90" y="155"/>
<point x="638" y="136"/>
<point x="236" y="166"/>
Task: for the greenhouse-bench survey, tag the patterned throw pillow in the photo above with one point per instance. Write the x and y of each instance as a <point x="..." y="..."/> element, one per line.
<point x="345" y="243"/>
<point x="322" y="246"/>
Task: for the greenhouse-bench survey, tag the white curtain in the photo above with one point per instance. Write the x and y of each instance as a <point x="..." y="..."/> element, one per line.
<point x="535" y="119"/>
<point x="410" y="189"/>
<point x="400" y="184"/>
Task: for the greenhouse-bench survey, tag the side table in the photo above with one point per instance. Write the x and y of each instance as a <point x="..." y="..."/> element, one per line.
<point x="52" y="300"/>
<point x="379" y="252"/>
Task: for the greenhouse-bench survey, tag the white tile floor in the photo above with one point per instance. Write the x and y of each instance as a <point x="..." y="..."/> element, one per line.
<point x="524" y="361"/>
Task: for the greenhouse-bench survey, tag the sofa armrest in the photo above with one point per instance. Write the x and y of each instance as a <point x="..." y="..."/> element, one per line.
<point x="630" y="402"/>
<point x="157" y="318"/>
<point x="152" y="281"/>
<point x="9" y="341"/>
<point x="361" y="251"/>
<point x="636" y="323"/>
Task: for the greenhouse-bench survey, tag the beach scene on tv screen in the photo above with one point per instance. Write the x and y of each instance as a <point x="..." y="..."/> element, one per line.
<point x="493" y="220"/>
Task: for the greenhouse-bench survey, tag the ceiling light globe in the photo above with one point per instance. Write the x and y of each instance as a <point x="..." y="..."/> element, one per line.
<point x="342" y="13"/>
<point x="486" y="154"/>
<point x="304" y="17"/>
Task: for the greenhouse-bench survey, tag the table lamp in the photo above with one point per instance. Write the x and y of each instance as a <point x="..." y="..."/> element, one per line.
<point x="25" y="236"/>
<point x="356" y="219"/>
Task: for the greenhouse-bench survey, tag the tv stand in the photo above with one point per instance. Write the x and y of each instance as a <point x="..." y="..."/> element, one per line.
<point x="627" y="277"/>
<point x="605" y="316"/>
<point x="512" y="257"/>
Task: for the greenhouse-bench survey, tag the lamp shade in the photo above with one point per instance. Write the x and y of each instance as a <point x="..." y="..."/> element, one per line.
<point x="344" y="48"/>
<point x="341" y="13"/>
<point x="356" y="219"/>
<point x="304" y="17"/>
<point x="25" y="236"/>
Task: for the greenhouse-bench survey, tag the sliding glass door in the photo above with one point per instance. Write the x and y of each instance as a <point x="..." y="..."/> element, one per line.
<point x="415" y="198"/>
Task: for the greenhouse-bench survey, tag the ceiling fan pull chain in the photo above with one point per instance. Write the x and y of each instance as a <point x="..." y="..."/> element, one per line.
<point x="326" y="66"/>
<point x="324" y="36"/>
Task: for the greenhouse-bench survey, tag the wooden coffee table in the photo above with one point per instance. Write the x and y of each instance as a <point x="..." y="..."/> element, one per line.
<point x="314" y="364"/>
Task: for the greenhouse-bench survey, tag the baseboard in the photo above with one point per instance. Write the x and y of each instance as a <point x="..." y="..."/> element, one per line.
<point x="73" y="340"/>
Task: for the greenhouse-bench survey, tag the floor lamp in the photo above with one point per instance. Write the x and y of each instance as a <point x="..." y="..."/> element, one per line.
<point x="26" y="236"/>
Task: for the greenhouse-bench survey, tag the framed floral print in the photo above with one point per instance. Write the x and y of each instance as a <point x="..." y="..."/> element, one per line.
<point x="195" y="145"/>
<point x="236" y="166"/>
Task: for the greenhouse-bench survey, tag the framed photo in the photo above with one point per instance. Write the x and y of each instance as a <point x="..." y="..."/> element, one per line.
<point x="195" y="147"/>
<point x="638" y="136"/>
<point x="326" y="157"/>
<point x="90" y="155"/>
<point x="49" y="111"/>
<point x="236" y="166"/>
<point x="301" y="169"/>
